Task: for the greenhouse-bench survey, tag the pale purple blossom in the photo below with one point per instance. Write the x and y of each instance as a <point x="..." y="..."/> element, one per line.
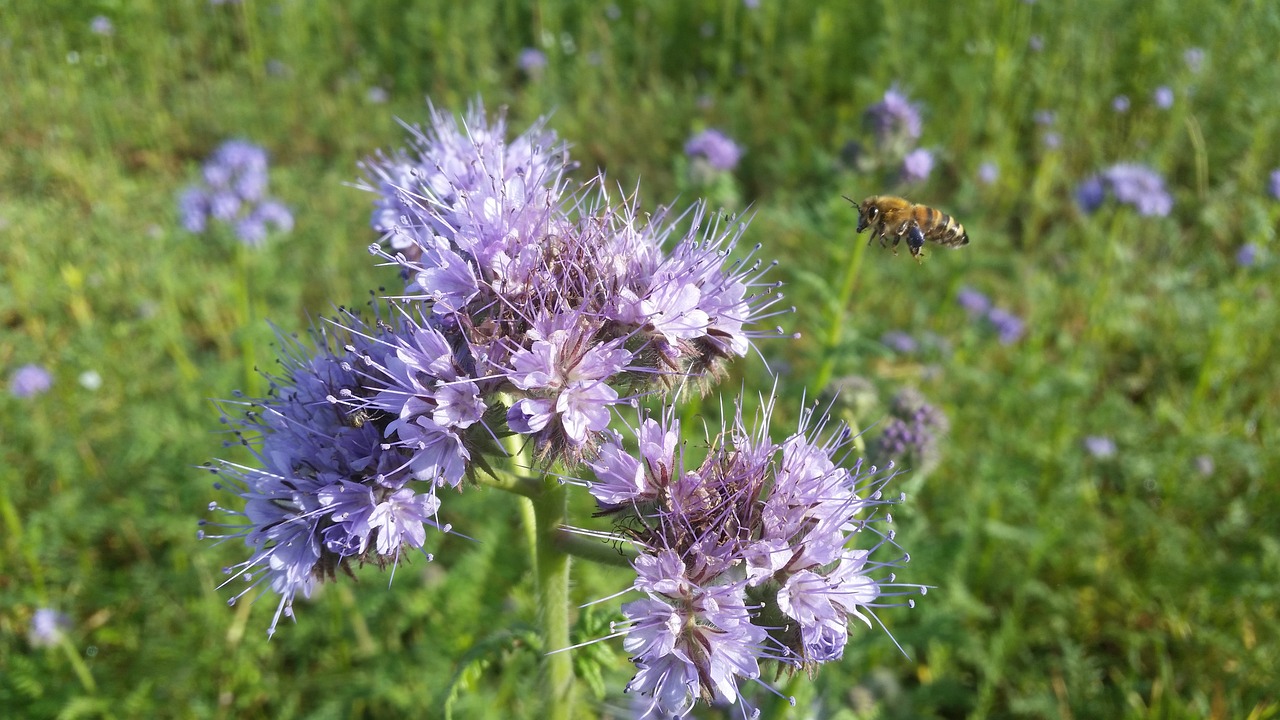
<point x="30" y="380"/>
<point x="917" y="165"/>
<point x="899" y="341"/>
<point x="1090" y="194"/>
<point x="1247" y="255"/>
<point x="532" y="61"/>
<point x="234" y="191"/>
<point x="1009" y="327"/>
<point x="1120" y="103"/>
<point x="894" y="119"/>
<point x="1036" y="43"/>
<point x="974" y="302"/>
<point x="101" y="25"/>
<point x="988" y="173"/>
<point x="1140" y="187"/>
<point x="1163" y="97"/>
<point x="1100" y="446"/>
<point x="48" y="627"/>
<point x="756" y="525"/>
<point x="717" y="149"/>
<point x="1194" y="59"/>
<point x="1273" y="185"/>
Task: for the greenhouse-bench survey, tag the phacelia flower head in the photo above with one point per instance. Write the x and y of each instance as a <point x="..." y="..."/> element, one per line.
<point x="1194" y="58"/>
<point x="748" y="558"/>
<point x="532" y="61"/>
<point x="29" y="381"/>
<point x="572" y="302"/>
<point x="1163" y="97"/>
<point x="234" y="191"/>
<point x="988" y="173"/>
<point x="718" y="150"/>
<point x="1008" y="327"/>
<point x="1120" y="103"/>
<point x="48" y="626"/>
<point x="912" y="434"/>
<point x="331" y="486"/>
<point x="917" y="165"/>
<point x="895" y="119"/>
<point x="1090" y="194"/>
<point x="973" y="301"/>
<point x="1139" y="186"/>
<point x="101" y="25"/>
<point x="1246" y="256"/>
<point x="1273" y="186"/>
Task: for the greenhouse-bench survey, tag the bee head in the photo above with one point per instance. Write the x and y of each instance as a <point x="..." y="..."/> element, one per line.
<point x="868" y="213"/>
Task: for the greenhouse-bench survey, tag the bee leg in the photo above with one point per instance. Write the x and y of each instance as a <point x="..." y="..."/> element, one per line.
<point x="915" y="240"/>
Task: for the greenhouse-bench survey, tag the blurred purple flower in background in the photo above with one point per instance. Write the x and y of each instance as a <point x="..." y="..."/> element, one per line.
<point x="899" y="341"/>
<point x="1247" y="255"/>
<point x="917" y="165"/>
<point x="1052" y="140"/>
<point x="1045" y="117"/>
<point x="101" y="25"/>
<point x="1036" y="43"/>
<point x="29" y="381"/>
<point x="1091" y="193"/>
<point x="1100" y="446"/>
<point x="988" y="173"/>
<point x="911" y="434"/>
<point x="234" y="192"/>
<point x="716" y="148"/>
<point x="1204" y="465"/>
<point x="1274" y="186"/>
<point x="1194" y="58"/>
<point x="376" y="95"/>
<point x="894" y="118"/>
<point x="1163" y="97"/>
<point x="1120" y="103"/>
<point x="48" y="626"/>
<point x="1139" y="186"/>
<point x="973" y="302"/>
<point x="532" y="61"/>
<point x="1009" y="327"/>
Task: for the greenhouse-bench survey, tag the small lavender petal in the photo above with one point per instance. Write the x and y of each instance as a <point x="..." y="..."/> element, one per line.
<point x="29" y="381"/>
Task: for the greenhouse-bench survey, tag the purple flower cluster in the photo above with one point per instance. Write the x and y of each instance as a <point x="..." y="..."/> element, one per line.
<point x="911" y="434"/>
<point x="331" y="482"/>
<point x="1131" y="184"/>
<point x="29" y="381"/>
<point x="1008" y="326"/>
<point x="715" y="148"/>
<point x="1100" y="446"/>
<point x="526" y="310"/>
<point x="571" y="302"/>
<point x="917" y="166"/>
<point x="234" y="191"/>
<point x="1273" y="186"/>
<point x="48" y="627"/>
<point x="746" y="558"/>
<point x="894" y="119"/>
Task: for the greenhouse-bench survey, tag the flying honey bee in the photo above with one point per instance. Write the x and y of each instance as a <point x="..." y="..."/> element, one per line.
<point x="894" y="218"/>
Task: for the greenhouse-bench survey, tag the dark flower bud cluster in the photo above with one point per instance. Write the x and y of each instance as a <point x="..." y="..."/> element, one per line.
<point x="234" y="191"/>
<point x="911" y="435"/>
<point x="746" y="558"/>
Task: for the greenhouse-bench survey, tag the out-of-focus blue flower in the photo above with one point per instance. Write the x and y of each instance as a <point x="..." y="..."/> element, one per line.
<point x="911" y="434"/>
<point x="894" y="119"/>
<point x="1139" y="186"/>
<point x="1274" y="185"/>
<point x="719" y="151"/>
<point x="101" y="25"/>
<point x="377" y="95"/>
<point x="1247" y="255"/>
<point x="1204" y="465"/>
<point x="760" y="533"/>
<point x="1091" y="193"/>
<point x="988" y="173"/>
<point x="234" y="192"/>
<point x="975" y="303"/>
<point x="29" y="381"/>
<point x="1009" y="327"/>
<point x="751" y="4"/>
<point x="1100" y="446"/>
<point x="532" y="61"/>
<point x="917" y="165"/>
<point x="48" y="626"/>
<point x="899" y="341"/>
<point x="1163" y="97"/>
<point x="1045" y="118"/>
<point x="1052" y="140"/>
<point x="1036" y="43"/>
<point x="1194" y="58"/>
<point x="1120" y="103"/>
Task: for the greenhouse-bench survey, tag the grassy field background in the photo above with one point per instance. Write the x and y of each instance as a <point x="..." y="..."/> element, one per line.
<point x="1069" y="585"/>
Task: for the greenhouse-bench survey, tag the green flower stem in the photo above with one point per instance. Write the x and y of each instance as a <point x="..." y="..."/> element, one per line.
<point x="837" y="316"/>
<point x="550" y="511"/>
<point x="545" y="508"/>
<point x="522" y="485"/>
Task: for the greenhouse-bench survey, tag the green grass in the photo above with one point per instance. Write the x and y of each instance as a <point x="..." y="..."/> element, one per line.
<point x="1065" y="585"/>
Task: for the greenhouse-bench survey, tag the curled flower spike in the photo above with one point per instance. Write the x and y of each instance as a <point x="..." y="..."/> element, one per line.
<point x="748" y="558"/>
